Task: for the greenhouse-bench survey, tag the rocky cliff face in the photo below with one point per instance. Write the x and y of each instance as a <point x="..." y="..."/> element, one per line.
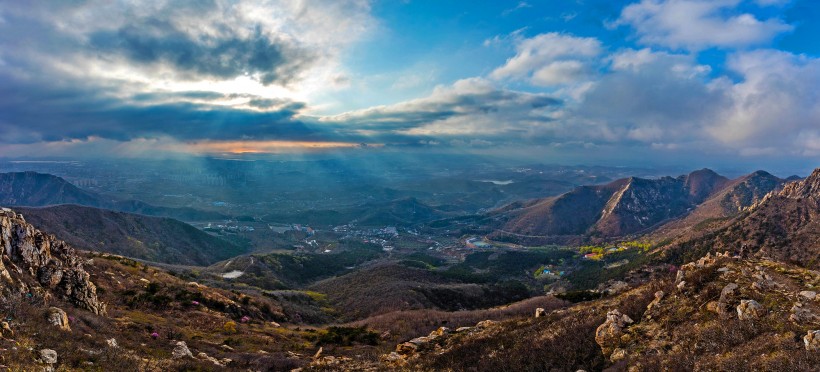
<point x="808" y="188"/>
<point x="622" y="207"/>
<point x="37" y="263"/>
<point x="783" y="226"/>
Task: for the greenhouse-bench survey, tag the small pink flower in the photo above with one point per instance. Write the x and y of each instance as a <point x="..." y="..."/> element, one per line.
<point x="154" y="335"/>
<point x="245" y="319"/>
<point x="71" y="319"/>
<point x="196" y="303"/>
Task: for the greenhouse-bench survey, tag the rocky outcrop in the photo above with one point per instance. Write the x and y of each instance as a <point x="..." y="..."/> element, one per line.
<point x="181" y="351"/>
<point x="812" y="340"/>
<point x="34" y="262"/>
<point x="609" y="333"/>
<point x="58" y="318"/>
<point x="49" y="358"/>
<point x="5" y="330"/>
<point x="654" y="304"/>
<point x="750" y="309"/>
<point x="808" y="188"/>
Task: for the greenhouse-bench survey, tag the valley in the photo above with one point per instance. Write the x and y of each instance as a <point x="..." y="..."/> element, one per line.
<point x="363" y="287"/>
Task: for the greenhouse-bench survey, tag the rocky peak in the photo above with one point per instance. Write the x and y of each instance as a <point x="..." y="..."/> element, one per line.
<point x="809" y="187"/>
<point x="702" y="183"/>
<point x="34" y="262"/>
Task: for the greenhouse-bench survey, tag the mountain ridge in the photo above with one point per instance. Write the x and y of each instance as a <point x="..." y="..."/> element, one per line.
<point x="33" y="189"/>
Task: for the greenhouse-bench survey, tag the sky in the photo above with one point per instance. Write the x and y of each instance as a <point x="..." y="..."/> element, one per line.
<point x="642" y="82"/>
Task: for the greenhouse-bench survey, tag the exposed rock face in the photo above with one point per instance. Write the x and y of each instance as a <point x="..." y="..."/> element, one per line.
<point x="809" y="295"/>
<point x="654" y="304"/>
<point x="181" y="351"/>
<point x="609" y="333"/>
<point x="812" y="340"/>
<point x="58" y="318"/>
<point x="5" y="330"/>
<point x="49" y="358"/>
<point x="810" y="187"/>
<point x="32" y="261"/>
<point x="750" y="309"/>
<point x="539" y="312"/>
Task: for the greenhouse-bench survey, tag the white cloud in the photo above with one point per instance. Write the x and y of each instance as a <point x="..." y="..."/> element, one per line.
<point x="550" y="59"/>
<point x="698" y="24"/>
<point x="776" y="103"/>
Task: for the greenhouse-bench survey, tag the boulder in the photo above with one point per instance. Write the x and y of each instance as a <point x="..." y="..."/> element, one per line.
<point x="181" y="351"/>
<point x="58" y="318"/>
<point x="112" y="343"/>
<point x="809" y="295"/>
<point x="539" y="312"/>
<point x="49" y="357"/>
<point x="750" y="309"/>
<point x="812" y="340"/>
<point x="441" y="331"/>
<point x="658" y="297"/>
<point x="800" y="314"/>
<point x="609" y="333"/>
<point x="5" y="329"/>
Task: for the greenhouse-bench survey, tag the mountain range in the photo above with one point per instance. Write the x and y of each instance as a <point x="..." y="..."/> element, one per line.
<point x="633" y="205"/>
<point x="728" y="282"/>
<point x="32" y="189"/>
<point x="157" y="239"/>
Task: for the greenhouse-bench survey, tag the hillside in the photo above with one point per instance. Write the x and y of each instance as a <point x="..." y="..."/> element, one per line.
<point x="619" y="208"/>
<point x="784" y="225"/>
<point x="155" y="239"/>
<point x="385" y="288"/>
<point x="32" y="189"/>
<point x="717" y="210"/>
<point x="729" y="314"/>
<point x="38" y="189"/>
<point x="69" y="310"/>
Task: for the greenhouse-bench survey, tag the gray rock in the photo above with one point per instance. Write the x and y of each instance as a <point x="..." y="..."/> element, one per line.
<point x="181" y="351"/>
<point x="42" y="260"/>
<point x="48" y="356"/>
<point x="58" y="318"/>
<point x="750" y="309"/>
<point x="608" y="334"/>
<point x="811" y="295"/>
<point x="812" y="340"/>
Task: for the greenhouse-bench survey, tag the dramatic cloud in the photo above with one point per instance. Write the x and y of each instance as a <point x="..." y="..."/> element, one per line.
<point x="550" y="59"/>
<point x="698" y="24"/>
<point x="775" y="105"/>
<point x="179" y="70"/>
<point x="223" y="75"/>
<point x="472" y="107"/>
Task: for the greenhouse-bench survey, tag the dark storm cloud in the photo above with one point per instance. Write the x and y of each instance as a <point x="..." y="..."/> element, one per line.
<point x="223" y="56"/>
<point x="81" y="111"/>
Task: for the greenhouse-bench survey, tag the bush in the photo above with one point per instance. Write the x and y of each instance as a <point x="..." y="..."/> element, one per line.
<point x="347" y="336"/>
